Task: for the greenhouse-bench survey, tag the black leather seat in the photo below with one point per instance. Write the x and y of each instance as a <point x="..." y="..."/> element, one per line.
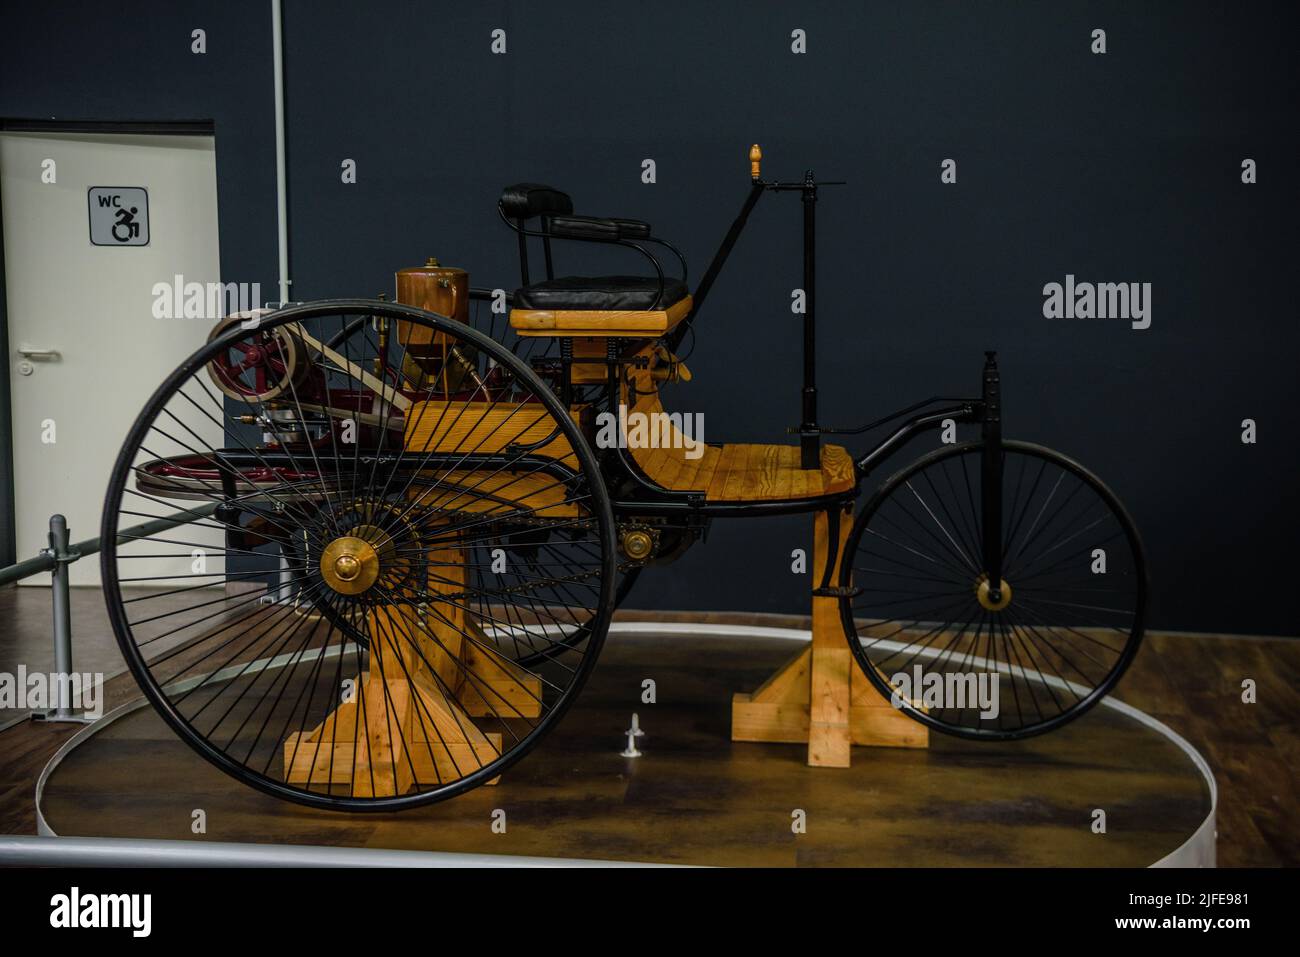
<point x="524" y="201"/>
<point x="597" y="229"/>
<point x="609" y="293"/>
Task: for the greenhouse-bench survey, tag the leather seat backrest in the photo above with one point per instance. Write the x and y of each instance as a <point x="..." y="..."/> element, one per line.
<point x="526" y="200"/>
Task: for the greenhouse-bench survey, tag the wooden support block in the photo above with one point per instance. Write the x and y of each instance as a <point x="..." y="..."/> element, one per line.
<point x="591" y="323"/>
<point x="431" y="669"/>
<point x="778" y="709"/>
<point x="820" y="696"/>
<point x="491" y="686"/>
<point x="828" y="718"/>
<point x="767" y="721"/>
<point x="437" y="741"/>
<point x="886" y="728"/>
<point x="436" y="425"/>
<point x="386" y="706"/>
<point x="828" y="715"/>
<point x="431" y="763"/>
<point x="441" y="630"/>
<point x="874" y="722"/>
<point x="314" y="761"/>
<point x="412" y="718"/>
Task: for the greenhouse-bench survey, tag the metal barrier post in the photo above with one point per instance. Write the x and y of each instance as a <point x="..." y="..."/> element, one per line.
<point x="63" y="555"/>
<point x="55" y="559"/>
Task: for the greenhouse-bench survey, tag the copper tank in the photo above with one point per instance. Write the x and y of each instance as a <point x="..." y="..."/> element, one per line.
<point x="444" y="290"/>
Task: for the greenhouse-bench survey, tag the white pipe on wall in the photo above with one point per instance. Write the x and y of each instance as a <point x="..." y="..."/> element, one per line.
<point x="281" y="178"/>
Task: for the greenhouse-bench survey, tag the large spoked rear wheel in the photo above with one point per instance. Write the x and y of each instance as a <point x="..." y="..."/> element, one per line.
<point x="395" y="562"/>
<point x="933" y="637"/>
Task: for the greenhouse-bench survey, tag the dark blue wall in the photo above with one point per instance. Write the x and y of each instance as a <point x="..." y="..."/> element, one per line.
<point x="1122" y="167"/>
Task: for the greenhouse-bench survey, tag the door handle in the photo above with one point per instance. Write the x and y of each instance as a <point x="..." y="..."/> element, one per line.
<point x="40" y="355"/>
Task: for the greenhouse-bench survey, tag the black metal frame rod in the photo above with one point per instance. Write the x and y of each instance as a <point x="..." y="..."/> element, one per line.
<point x="719" y="260"/>
<point x="45" y="563"/>
<point x="969" y="412"/>
<point x="809" y="438"/>
<point x="991" y="475"/>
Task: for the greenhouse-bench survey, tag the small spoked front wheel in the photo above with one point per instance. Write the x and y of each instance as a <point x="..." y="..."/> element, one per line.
<point x="962" y="657"/>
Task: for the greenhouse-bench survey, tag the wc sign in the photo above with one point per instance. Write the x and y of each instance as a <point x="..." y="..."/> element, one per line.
<point x="119" y="216"/>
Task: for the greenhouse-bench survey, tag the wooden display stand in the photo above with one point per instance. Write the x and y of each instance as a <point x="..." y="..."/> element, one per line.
<point x="820" y="696"/>
<point x="410" y="717"/>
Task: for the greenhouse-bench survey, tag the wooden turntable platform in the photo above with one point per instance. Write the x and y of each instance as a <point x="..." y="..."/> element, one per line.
<point x="695" y="796"/>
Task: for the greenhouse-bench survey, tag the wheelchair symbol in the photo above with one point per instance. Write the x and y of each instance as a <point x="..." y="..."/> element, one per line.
<point x="129" y="228"/>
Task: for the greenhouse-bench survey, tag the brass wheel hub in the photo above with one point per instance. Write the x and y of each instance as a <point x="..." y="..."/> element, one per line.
<point x="349" y="565"/>
<point x="638" y="544"/>
<point x="985" y="596"/>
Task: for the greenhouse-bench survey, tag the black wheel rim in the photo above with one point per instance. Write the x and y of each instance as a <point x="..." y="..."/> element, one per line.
<point x="944" y="651"/>
<point x="414" y="586"/>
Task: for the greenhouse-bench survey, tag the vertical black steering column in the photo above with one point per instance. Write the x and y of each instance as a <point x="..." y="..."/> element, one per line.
<point x="991" y="476"/>
<point x="809" y="438"/>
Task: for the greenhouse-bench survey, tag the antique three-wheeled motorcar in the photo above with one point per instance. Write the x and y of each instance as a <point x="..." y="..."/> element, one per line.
<point x="364" y="553"/>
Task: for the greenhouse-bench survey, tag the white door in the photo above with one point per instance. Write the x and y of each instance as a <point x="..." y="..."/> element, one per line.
<point x="92" y="307"/>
